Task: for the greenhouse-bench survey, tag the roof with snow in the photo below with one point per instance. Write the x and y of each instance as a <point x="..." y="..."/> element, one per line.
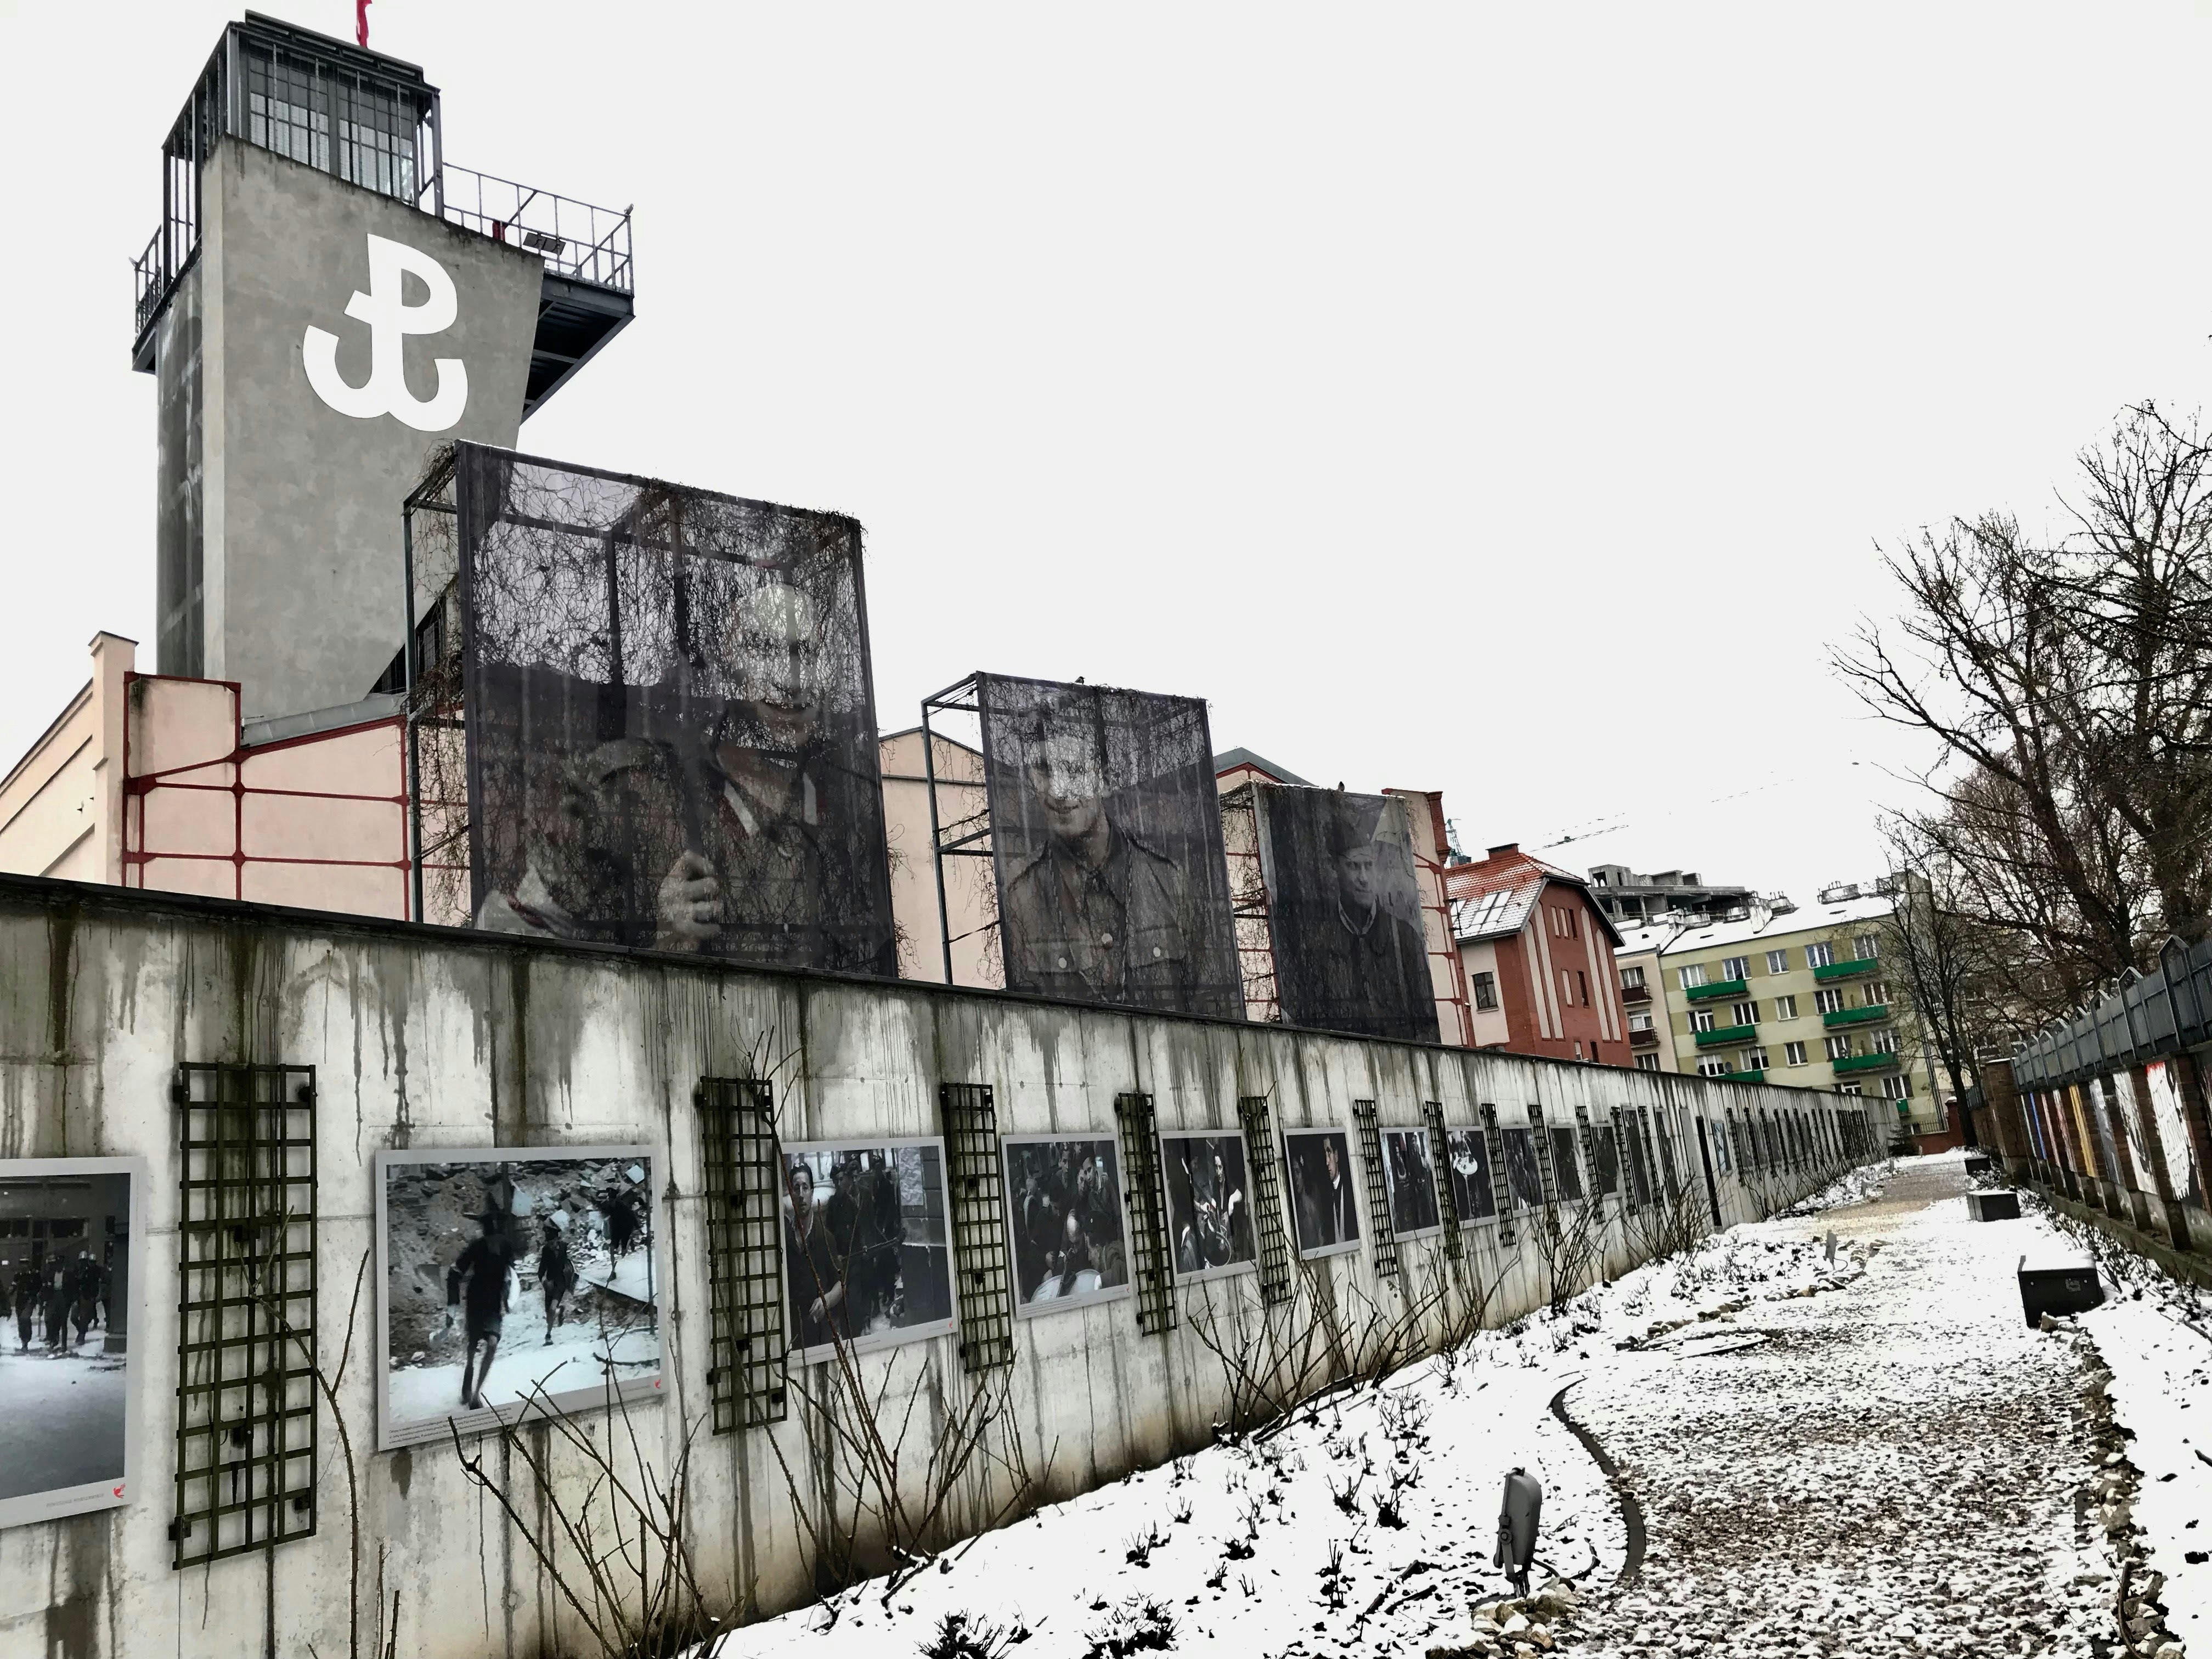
<point x="1230" y="760"/>
<point x="1492" y="896"/>
<point x="1812" y="919"/>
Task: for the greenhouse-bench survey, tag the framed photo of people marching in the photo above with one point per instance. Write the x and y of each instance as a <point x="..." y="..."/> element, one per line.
<point x="1209" y="1202"/>
<point x="1324" y="1191"/>
<point x="867" y="1245"/>
<point x="513" y="1280"/>
<point x="1064" y="1223"/>
<point x="1410" y="1178"/>
<point x="72" y="1269"/>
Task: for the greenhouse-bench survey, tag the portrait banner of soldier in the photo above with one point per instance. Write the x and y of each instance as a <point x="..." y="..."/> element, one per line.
<point x="867" y="1246"/>
<point x="1106" y="835"/>
<point x="671" y="731"/>
<point x="1209" y="1203"/>
<point x="1410" y="1179"/>
<point x="72" y="1265"/>
<point x="1324" y="1191"/>
<point x="1065" y="1223"/>
<point x="512" y="1281"/>
<point x="1344" y="910"/>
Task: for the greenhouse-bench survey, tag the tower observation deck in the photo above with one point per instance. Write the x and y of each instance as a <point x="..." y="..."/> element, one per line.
<point x="373" y="121"/>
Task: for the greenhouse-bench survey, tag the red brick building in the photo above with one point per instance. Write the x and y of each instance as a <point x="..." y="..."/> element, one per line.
<point x="1538" y="952"/>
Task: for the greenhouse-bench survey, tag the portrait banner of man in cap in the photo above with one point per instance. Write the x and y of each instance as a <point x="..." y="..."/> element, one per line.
<point x="670" y="726"/>
<point x="1106" y="835"/>
<point x="1345" y="912"/>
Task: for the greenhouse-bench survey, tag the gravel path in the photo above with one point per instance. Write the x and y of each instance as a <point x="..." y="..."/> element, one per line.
<point x="1890" y="1468"/>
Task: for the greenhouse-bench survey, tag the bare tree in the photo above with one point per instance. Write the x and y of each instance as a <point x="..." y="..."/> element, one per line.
<point x="2069" y="688"/>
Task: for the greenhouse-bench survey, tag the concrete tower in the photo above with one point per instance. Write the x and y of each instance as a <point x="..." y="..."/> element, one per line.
<point x="326" y="303"/>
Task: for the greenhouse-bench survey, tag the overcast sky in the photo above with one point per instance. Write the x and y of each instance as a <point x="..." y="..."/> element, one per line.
<point x="1480" y="399"/>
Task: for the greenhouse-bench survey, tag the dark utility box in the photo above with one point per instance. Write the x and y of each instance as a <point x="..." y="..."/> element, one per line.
<point x="2057" y="1290"/>
<point x="1978" y="1163"/>
<point x="2002" y="1205"/>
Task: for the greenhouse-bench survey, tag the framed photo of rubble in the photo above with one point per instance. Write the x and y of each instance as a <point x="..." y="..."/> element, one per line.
<point x="1209" y="1203"/>
<point x="1324" y="1191"/>
<point x="72" y="1267"/>
<point x="1064" y="1223"/>
<point x="514" y="1279"/>
<point x="1106" y="843"/>
<point x="867" y="1245"/>
<point x="1472" y="1196"/>
<point x="1409" y="1177"/>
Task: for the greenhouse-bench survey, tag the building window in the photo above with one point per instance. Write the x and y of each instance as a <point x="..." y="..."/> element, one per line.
<point x="1785" y="1008"/>
<point x="1578" y="1049"/>
<point x="1778" y="961"/>
<point x="1839" y="1047"/>
<point x="1830" y="1002"/>
<point x="1745" y="1013"/>
<point x="1876" y="994"/>
<point x="1485" y="991"/>
<point x="1867" y="947"/>
<point x="1848" y="1089"/>
<point x="1793" y="1054"/>
<point x="1701" y="1019"/>
<point x="1711" y="1065"/>
<point x="1582" y="983"/>
<point x="1819" y="955"/>
<point x="1693" y="976"/>
<point x="1752" y="1060"/>
<point x="1897" y="1087"/>
<point x="1647" y="1062"/>
<point x="1631" y="979"/>
<point x="1640" y="1022"/>
<point x="1736" y="968"/>
<point x="1883" y="1042"/>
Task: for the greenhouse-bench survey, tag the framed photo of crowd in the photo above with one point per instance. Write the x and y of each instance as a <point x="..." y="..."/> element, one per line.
<point x="1409" y="1177"/>
<point x="867" y="1245"/>
<point x="1065" y="1226"/>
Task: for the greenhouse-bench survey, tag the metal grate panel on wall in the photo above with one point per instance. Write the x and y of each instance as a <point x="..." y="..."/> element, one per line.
<point x="1378" y="1195"/>
<point x="743" y="1188"/>
<point x="1433" y="1113"/>
<point x="1148" y="1232"/>
<point x="978" y="1234"/>
<point x="246" y="1306"/>
<point x="1254" y="1114"/>
<point x="1588" y="1138"/>
<point x="1501" y="1193"/>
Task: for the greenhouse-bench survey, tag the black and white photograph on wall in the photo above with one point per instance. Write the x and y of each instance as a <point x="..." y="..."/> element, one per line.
<point x="1065" y="1221"/>
<point x="1106" y="839"/>
<point x="1472" y="1196"/>
<point x="867" y="1245"/>
<point x="1324" y="1190"/>
<point x="1344" y="909"/>
<point x="1409" y="1176"/>
<point x="1209" y="1202"/>
<point x="671" y="728"/>
<point x="514" y="1279"/>
<point x="1608" y="1160"/>
<point x="1523" y="1179"/>
<point x="1566" y="1167"/>
<point x="72" y="1269"/>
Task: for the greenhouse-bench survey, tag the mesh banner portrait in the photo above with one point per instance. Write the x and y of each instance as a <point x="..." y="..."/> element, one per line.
<point x="1106" y="833"/>
<point x="1344" y="902"/>
<point x="671" y="737"/>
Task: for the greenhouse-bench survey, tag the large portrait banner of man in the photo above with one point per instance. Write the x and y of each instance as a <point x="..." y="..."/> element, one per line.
<point x="867" y="1245"/>
<point x="1106" y="834"/>
<point x="670" y="734"/>
<point x="513" y="1280"/>
<point x="1344" y="909"/>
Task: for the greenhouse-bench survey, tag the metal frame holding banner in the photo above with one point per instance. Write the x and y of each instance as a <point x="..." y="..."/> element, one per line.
<point x="666" y="735"/>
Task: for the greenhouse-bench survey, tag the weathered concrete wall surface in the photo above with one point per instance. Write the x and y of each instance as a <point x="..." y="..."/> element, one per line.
<point x="279" y="522"/>
<point x="426" y="1038"/>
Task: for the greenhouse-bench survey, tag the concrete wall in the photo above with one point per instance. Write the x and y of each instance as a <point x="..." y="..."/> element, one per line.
<point x="279" y="518"/>
<point x="429" y="1038"/>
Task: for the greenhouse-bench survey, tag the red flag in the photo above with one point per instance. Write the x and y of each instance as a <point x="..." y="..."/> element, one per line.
<point x="361" y="21"/>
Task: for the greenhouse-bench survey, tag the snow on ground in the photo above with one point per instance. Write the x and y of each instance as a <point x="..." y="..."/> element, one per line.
<point x="61" y="1417"/>
<point x="1280" y="1547"/>
<point x="2155" y="1334"/>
